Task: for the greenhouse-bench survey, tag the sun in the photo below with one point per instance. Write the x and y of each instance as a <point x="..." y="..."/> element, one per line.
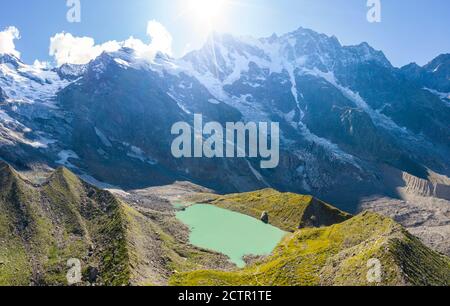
<point x="206" y="11"/>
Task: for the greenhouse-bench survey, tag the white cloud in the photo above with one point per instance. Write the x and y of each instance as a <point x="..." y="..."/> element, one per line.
<point x="161" y="41"/>
<point x="161" y="38"/>
<point x="68" y="49"/>
<point x="7" y="38"/>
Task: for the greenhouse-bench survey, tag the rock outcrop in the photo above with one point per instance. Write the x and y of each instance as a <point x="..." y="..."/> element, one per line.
<point x="265" y="217"/>
<point x="426" y="188"/>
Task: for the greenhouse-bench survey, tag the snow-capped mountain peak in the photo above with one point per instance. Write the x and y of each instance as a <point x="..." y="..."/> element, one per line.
<point x="28" y="83"/>
<point x="340" y="108"/>
<point x="70" y="71"/>
<point x="225" y="56"/>
<point x="10" y="59"/>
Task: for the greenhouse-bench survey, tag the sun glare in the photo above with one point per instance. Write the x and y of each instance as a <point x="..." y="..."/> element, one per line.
<point x="206" y="10"/>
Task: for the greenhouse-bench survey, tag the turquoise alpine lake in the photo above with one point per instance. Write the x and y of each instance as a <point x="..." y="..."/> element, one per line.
<point x="229" y="233"/>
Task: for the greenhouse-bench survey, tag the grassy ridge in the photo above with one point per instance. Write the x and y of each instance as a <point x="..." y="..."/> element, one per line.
<point x="287" y="211"/>
<point x="44" y="226"/>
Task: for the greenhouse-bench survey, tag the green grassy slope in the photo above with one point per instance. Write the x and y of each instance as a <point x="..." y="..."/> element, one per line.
<point x="338" y="255"/>
<point x="15" y="267"/>
<point x="43" y="226"/>
<point x="287" y="211"/>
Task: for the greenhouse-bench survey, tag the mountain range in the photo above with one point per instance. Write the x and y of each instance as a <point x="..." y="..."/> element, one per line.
<point x="351" y="123"/>
<point x="85" y="149"/>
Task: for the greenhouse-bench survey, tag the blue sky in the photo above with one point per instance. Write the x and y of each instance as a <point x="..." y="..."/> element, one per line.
<point x="411" y="30"/>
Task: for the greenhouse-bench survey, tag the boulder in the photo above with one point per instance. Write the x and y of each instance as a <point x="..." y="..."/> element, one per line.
<point x="265" y="217"/>
<point x="92" y="274"/>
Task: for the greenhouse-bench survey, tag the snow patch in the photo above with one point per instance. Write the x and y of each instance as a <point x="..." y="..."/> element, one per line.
<point x="30" y="84"/>
<point x="179" y="102"/>
<point x="103" y="138"/>
<point x="445" y="97"/>
<point x="257" y="174"/>
<point x="91" y="180"/>
<point x="122" y="62"/>
<point x="138" y="153"/>
<point x="213" y="101"/>
<point x="64" y="157"/>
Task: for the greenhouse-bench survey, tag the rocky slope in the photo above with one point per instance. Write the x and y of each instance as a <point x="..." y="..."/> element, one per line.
<point x="422" y="207"/>
<point x="433" y="75"/>
<point x="426" y="218"/>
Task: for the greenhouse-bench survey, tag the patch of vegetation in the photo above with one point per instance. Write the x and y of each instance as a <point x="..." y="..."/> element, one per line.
<point x="287" y="211"/>
<point x="15" y="267"/>
<point x="337" y="255"/>
<point x="421" y="265"/>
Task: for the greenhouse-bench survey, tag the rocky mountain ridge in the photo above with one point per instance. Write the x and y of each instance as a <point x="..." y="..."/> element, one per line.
<point x="345" y="114"/>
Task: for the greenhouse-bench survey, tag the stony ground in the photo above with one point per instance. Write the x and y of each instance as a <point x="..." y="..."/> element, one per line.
<point x="426" y="218"/>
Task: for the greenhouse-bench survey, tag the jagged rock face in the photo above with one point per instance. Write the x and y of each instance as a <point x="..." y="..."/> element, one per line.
<point x="434" y="75"/>
<point x="350" y="98"/>
<point x="426" y="188"/>
<point x="9" y="59"/>
<point x="440" y="68"/>
<point x="405" y="104"/>
<point x="71" y="72"/>
<point x="343" y="112"/>
<point x="122" y="119"/>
